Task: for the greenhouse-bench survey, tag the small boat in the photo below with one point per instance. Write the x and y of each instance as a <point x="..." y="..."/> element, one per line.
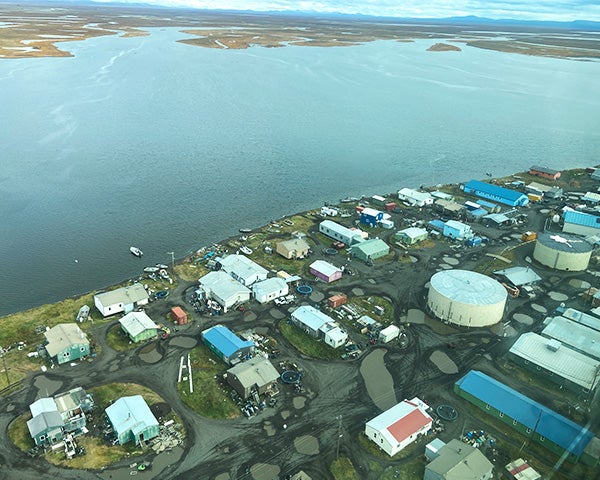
<point x="246" y="250"/>
<point x="161" y="266"/>
<point x="163" y="273"/>
<point x="245" y="230"/>
<point x="83" y="314"/>
<point x="151" y="269"/>
<point x="136" y="251"/>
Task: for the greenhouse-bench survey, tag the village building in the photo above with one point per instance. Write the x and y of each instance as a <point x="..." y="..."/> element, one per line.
<point x="411" y="235"/>
<point x="46" y="428"/>
<point x="457" y="230"/>
<point x="399" y="426"/>
<point x="519" y="469"/>
<point x="449" y="208"/>
<point x="372" y="217"/>
<point x="66" y="342"/>
<point x="544" y="172"/>
<point x="370" y="249"/>
<point x="333" y="335"/>
<point x="293" y="248"/>
<point x="270" y="289"/>
<point x="255" y="375"/>
<point x="132" y="420"/>
<point x="547" y="191"/>
<point x="518" y="276"/>
<point x="590" y="321"/>
<point x="125" y="299"/>
<point x="242" y="269"/>
<point x="414" y="197"/>
<point x="138" y="326"/>
<point x="319" y="325"/>
<point x="223" y="289"/>
<point x="227" y="345"/>
<point x="335" y="231"/>
<point x="179" y="316"/>
<point x="579" y="337"/>
<point x="495" y="193"/>
<point x="580" y="223"/>
<point x="458" y="461"/>
<point x="325" y="271"/>
<point x="556" y="362"/>
<point x="531" y="419"/>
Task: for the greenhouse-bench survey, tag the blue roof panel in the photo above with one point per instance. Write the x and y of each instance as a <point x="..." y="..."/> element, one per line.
<point x="225" y="340"/>
<point x="506" y="193"/>
<point x="580" y="218"/>
<point x="533" y="415"/>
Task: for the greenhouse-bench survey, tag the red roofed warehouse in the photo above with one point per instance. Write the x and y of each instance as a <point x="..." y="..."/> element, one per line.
<point x="399" y="426"/>
<point x="544" y="172"/>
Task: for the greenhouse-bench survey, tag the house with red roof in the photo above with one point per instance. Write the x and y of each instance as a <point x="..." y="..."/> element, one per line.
<point x="399" y="426"/>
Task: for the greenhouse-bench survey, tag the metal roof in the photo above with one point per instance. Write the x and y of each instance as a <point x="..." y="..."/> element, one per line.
<point x="225" y="340"/>
<point x="413" y="233"/>
<point x="241" y="266"/>
<point x="324" y="267"/>
<point x="564" y="362"/>
<point x="468" y="287"/>
<point x="402" y="420"/>
<point x="126" y="295"/>
<point x="459" y="461"/>
<point x="311" y="317"/>
<point x="62" y="336"/>
<point x="130" y="413"/>
<point x="501" y="192"/>
<point x="43" y="405"/>
<point x="369" y="247"/>
<point x="295" y="244"/>
<point x="256" y="371"/>
<point x="135" y="323"/>
<point x="580" y="218"/>
<point x="564" y="242"/>
<point x="270" y="285"/>
<point x="549" y="171"/>
<point x="341" y="229"/>
<point x="590" y="321"/>
<point x="519" y="275"/>
<point x="44" y="421"/>
<point x="222" y="285"/>
<point x="528" y="412"/>
<point x="578" y="336"/>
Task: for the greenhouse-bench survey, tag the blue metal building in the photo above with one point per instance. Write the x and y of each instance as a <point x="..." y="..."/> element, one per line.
<point x="226" y="345"/>
<point x="496" y="193"/>
<point x="532" y="419"/>
<point x="371" y="217"/>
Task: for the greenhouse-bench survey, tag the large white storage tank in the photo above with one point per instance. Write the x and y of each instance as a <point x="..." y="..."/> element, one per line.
<point x="466" y="298"/>
<point x="562" y="251"/>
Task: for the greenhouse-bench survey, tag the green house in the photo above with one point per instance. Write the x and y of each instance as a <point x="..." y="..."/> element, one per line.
<point x="66" y="342"/>
<point x="533" y="420"/>
<point x="370" y="249"/>
<point x="132" y="420"/>
<point x="410" y="236"/>
<point x="138" y="326"/>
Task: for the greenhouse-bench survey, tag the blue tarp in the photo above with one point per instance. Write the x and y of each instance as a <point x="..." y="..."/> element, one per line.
<point x="538" y="418"/>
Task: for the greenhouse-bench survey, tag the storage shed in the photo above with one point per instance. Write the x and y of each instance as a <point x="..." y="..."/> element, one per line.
<point x="138" y="326"/>
<point x="227" y="345"/>
<point x="496" y="193"/>
<point x="370" y="249"/>
<point x="337" y="300"/>
<point x="518" y="276"/>
<point x="562" y="251"/>
<point x="466" y="298"/>
<point x="132" y="420"/>
<point x="389" y="333"/>
<point x="179" y="316"/>
<point x="325" y="271"/>
<point x="255" y="375"/>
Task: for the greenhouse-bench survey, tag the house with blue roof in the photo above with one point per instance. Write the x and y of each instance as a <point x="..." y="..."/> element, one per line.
<point x="132" y="420"/>
<point x="581" y="223"/>
<point x="227" y="345"/>
<point x="530" y="418"/>
<point x="495" y="193"/>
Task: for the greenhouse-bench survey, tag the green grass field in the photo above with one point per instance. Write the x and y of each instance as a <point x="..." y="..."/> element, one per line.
<point x="306" y="344"/>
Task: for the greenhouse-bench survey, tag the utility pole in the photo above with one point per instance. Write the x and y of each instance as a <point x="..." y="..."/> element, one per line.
<point x="339" y="418"/>
<point x="5" y="369"/>
<point x="172" y="259"/>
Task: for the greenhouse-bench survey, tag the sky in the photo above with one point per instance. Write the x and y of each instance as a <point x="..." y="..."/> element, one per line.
<point x="549" y="10"/>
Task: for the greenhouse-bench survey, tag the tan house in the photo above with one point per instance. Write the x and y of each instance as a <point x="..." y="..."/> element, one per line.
<point x="254" y="375"/>
<point x="294" y="248"/>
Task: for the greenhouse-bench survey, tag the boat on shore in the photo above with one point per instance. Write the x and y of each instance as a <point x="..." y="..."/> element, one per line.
<point x="136" y="251"/>
<point x="246" y="250"/>
<point x="151" y="269"/>
<point x="161" y="266"/>
<point x="245" y="230"/>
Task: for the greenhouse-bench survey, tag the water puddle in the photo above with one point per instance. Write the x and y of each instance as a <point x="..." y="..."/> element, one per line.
<point x="299" y="402"/>
<point x="264" y="471"/>
<point x="307" y="445"/>
<point x="443" y="362"/>
<point x="183" y="342"/>
<point x="539" y="308"/>
<point x="149" y="354"/>
<point x="576" y="283"/>
<point x="558" y="296"/>
<point x="377" y="378"/>
<point x="415" y="316"/>
<point x="522" y="318"/>
<point x="45" y="386"/>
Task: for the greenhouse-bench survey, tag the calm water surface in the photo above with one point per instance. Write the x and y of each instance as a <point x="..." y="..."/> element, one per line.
<point x="147" y="142"/>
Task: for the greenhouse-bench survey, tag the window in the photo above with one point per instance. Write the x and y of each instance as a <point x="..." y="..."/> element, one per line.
<point x="82" y="349"/>
<point x="542" y="438"/>
<point x="382" y="440"/>
<point x="501" y="414"/>
<point x="528" y="430"/>
<point x="487" y="407"/>
<point x="514" y="422"/>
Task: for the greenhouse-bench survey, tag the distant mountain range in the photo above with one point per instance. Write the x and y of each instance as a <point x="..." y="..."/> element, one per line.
<point x="462" y="20"/>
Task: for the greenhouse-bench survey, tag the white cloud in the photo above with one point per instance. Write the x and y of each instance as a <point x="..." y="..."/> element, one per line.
<point x="555" y="10"/>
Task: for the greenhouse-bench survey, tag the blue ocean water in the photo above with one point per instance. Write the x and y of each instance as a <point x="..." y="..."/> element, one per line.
<point x="145" y="141"/>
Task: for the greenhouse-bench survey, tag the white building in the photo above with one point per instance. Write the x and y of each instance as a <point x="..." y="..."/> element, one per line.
<point x="389" y="333"/>
<point x="333" y="335"/>
<point x="269" y="289"/>
<point x="316" y="323"/>
<point x="223" y="289"/>
<point x="125" y="299"/>
<point x="399" y="426"/>
<point x="243" y="269"/>
<point x="415" y="198"/>
<point x="338" y="232"/>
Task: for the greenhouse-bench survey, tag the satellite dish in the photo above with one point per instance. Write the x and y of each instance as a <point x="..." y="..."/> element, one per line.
<point x="556" y="218"/>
